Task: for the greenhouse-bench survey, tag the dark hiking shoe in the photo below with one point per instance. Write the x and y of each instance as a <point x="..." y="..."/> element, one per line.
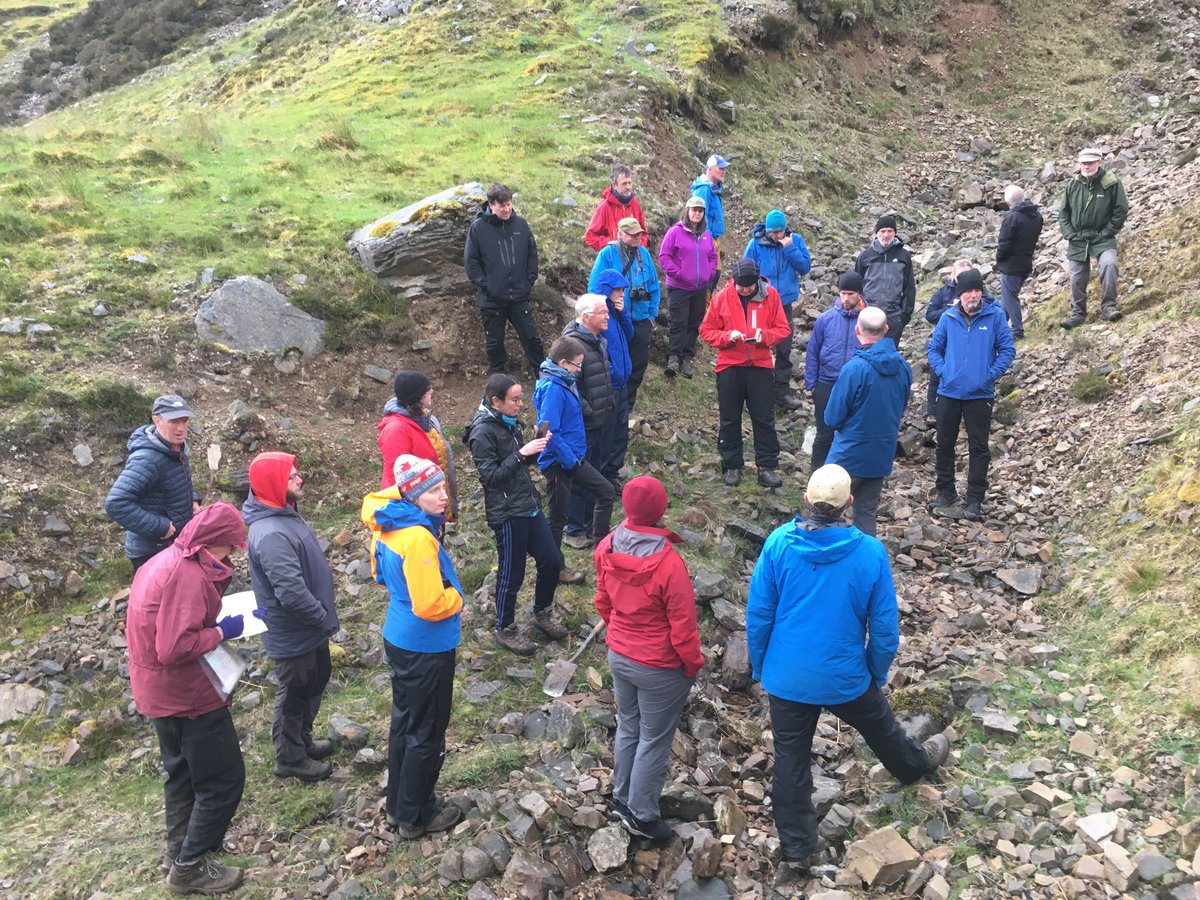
<point x="945" y="498"/>
<point x="937" y="748"/>
<point x="203" y="877"/>
<point x="305" y="770"/>
<point x="788" y="401"/>
<point x="549" y="624"/>
<point x="686" y="369"/>
<point x="656" y="830"/>
<point x="578" y="541"/>
<point x="570" y="576"/>
<point x="319" y="749"/>
<point x="511" y="639"/>
<point x="973" y="511"/>
<point x="672" y="368"/>
<point x="769" y="478"/>
<point x="445" y="819"/>
<point x="1073" y="322"/>
<point x="169" y="858"/>
<point x="1111" y="315"/>
<point x="733" y="477"/>
<point x="617" y="809"/>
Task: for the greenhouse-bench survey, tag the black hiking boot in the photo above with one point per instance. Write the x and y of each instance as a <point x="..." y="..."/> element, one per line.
<point x="672" y="368"/>
<point x="938" y="749"/>
<point x="769" y="478"/>
<point x="1075" y="320"/>
<point x="305" y="770"/>
<point x="319" y="749"/>
<point x="973" y="511"/>
<point x="733" y="477"/>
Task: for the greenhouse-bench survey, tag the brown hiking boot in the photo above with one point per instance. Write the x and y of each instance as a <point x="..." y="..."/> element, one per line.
<point x="305" y="770"/>
<point x="938" y="749"/>
<point x="443" y="820"/>
<point x="570" y="576"/>
<point x="511" y="639"/>
<point x="549" y="624"/>
<point x="203" y="877"/>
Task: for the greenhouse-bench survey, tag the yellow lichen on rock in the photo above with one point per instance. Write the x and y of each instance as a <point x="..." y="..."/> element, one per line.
<point x="383" y="229"/>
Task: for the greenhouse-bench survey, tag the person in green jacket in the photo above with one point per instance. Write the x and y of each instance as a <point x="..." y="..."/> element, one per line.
<point x="1093" y="211"/>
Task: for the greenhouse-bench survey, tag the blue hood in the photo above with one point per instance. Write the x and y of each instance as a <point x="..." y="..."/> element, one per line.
<point x="397" y="514"/>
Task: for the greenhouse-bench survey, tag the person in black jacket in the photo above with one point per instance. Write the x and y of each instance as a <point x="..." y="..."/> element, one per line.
<point x="513" y="509"/>
<point x="293" y="588"/>
<point x="1019" y="234"/>
<point x="887" y="271"/>
<point x="153" y="497"/>
<point x="502" y="262"/>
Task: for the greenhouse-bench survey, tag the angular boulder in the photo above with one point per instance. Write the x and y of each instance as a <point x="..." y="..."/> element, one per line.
<point x="882" y="857"/>
<point x="246" y="313"/>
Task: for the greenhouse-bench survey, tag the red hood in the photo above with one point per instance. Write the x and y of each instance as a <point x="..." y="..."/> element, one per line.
<point x="220" y="523"/>
<point x="269" y="474"/>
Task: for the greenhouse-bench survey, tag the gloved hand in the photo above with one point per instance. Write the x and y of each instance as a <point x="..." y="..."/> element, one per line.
<point x="260" y="613"/>
<point x="231" y="627"/>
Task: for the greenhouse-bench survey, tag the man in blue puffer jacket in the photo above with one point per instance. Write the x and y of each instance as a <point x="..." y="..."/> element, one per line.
<point x="864" y="411"/>
<point x="830" y="347"/>
<point x="564" y="461"/>
<point x="971" y="348"/>
<point x="827" y="588"/>
<point x="153" y="497"/>
<point x="782" y="258"/>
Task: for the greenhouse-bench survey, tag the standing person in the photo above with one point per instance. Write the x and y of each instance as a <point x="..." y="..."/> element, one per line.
<point x="513" y="509"/>
<point x="408" y="426"/>
<point x="743" y="323"/>
<point x="616" y="203"/>
<point x="627" y="255"/>
<point x="782" y="258"/>
<point x="1019" y="233"/>
<point x="864" y="411"/>
<point x="153" y="497"/>
<point x="826" y="587"/>
<point x="564" y="461"/>
<point x="644" y="595"/>
<point x="618" y="335"/>
<point x="830" y="346"/>
<point x="688" y="258"/>
<point x="708" y="185"/>
<point x="501" y="260"/>
<point x="170" y="624"/>
<point x="596" y="398"/>
<point x="420" y="634"/>
<point x="887" y="270"/>
<point x="943" y="298"/>
<point x="970" y="349"/>
<point x="293" y="588"/>
<point x="1094" y="209"/>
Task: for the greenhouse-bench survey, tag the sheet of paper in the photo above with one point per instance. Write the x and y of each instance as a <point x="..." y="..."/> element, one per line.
<point x="242" y="603"/>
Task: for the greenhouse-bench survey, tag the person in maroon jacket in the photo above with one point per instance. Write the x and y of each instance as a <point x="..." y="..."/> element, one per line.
<point x="170" y="624"/>
<point x="644" y="595"/>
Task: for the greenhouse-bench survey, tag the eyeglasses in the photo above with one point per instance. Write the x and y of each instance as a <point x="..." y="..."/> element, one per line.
<point x="578" y="367"/>
<point x="295" y="476"/>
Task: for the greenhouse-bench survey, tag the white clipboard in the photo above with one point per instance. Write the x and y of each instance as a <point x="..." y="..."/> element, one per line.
<point x="242" y="603"/>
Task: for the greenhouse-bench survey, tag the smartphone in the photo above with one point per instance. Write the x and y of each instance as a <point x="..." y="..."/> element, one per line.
<point x="542" y="429"/>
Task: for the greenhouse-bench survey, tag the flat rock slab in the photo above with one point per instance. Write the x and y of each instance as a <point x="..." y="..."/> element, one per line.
<point x="246" y="313"/>
<point x="18" y="701"/>
<point x="882" y="857"/>
<point x="1024" y="581"/>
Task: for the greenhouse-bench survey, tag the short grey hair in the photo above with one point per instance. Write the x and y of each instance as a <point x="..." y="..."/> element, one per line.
<point x="1014" y="194"/>
<point x="961" y="265"/>
<point x="587" y="303"/>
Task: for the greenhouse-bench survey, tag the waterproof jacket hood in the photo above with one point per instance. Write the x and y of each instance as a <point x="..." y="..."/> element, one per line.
<point x="153" y="492"/>
<point x="865" y="408"/>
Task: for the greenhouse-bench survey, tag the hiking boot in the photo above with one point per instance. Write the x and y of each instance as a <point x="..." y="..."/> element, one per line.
<point x="578" y="541"/>
<point x="788" y="401"/>
<point x="673" y="367"/>
<point x="686" y="369"/>
<point x="1111" y="315"/>
<point x="169" y="857"/>
<point x="444" y="819"/>
<point x="1074" y="321"/>
<point x="319" y="749"/>
<point x="937" y="748"/>
<point x="511" y="639"/>
<point x="617" y="809"/>
<point x="549" y="624"/>
<point x="570" y="576"/>
<point x="944" y="499"/>
<point x="305" y="770"/>
<point x="203" y="877"/>
<point x="769" y="478"/>
<point x="656" y="830"/>
<point x="973" y="511"/>
<point x="733" y="477"/>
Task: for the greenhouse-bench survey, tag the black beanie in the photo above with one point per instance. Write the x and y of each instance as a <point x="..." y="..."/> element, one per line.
<point x="970" y="280"/>
<point x="745" y="272"/>
<point x="410" y="387"/>
<point x="850" y="281"/>
<point x="886" y="222"/>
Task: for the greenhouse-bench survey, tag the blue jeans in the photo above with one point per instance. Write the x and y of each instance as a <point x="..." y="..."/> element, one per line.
<point x="1010" y="287"/>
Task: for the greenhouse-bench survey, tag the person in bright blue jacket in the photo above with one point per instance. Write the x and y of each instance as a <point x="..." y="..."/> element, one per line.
<point x="564" y="461"/>
<point x="709" y="185"/>
<point x="612" y="285"/>
<point x="830" y="346"/>
<point x="971" y="348"/>
<point x="642" y="297"/>
<point x="782" y="257"/>
<point x="827" y="588"/>
<point x="943" y="298"/>
<point x="864" y="410"/>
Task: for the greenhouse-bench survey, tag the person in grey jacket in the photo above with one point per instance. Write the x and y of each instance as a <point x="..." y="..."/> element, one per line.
<point x="153" y="497"/>
<point x="294" y="591"/>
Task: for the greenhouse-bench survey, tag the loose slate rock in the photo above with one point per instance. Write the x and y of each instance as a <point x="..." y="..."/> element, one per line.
<point x="608" y="848"/>
<point x="246" y="313"/>
<point x="1025" y="581"/>
<point x="882" y="857"/>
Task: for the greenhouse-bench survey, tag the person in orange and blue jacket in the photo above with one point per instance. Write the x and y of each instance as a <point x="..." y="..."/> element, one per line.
<point x="420" y="634"/>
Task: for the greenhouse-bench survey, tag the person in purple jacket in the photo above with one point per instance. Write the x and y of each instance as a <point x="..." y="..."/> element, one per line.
<point x="689" y="259"/>
<point x="830" y="347"/>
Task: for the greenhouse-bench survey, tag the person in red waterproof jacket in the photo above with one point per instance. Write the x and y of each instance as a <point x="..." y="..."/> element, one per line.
<point x="170" y="624"/>
<point x="644" y="595"/>
<point x="744" y="321"/>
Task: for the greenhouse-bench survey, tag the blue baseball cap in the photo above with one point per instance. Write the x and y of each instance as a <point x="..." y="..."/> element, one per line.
<point x="717" y="160"/>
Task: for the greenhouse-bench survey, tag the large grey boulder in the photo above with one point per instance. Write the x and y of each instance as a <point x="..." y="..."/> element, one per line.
<point x="246" y="313"/>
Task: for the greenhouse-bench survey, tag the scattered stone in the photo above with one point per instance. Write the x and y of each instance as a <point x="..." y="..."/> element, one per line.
<point x="347" y="732"/>
<point x="378" y="373"/>
<point x="682" y="801"/>
<point x="55" y="526"/>
<point x="1083" y="744"/>
<point x="1096" y="829"/>
<point x="529" y="876"/>
<point x="368" y="759"/>
<point x="881" y="858"/>
<point x="608" y="848"/>
<point x="729" y="817"/>
<point x="19" y="700"/>
<point x="565" y="725"/>
<point x="1025" y="581"/>
<point x="73" y="584"/>
<point x="246" y="313"/>
<point x="83" y="455"/>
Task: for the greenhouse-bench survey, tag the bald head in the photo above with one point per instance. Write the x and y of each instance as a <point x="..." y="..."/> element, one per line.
<point x="872" y="325"/>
